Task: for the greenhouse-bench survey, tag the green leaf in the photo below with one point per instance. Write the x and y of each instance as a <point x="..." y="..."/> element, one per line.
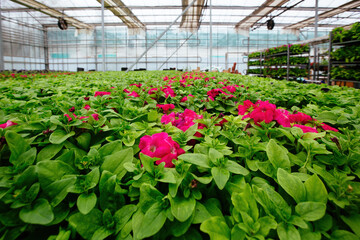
<point x="204" y="179"/>
<point x="51" y="171"/>
<point x="277" y="155"/>
<point x="86" y="225"/>
<point x="148" y="163"/>
<point x="180" y="228"/>
<point x="311" y="211"/>
<point x="101" y="233"/>
<point x="86" y="202"/>
<point x="221" y="176"/>
<point x="49" y="152"/>
<point x="167" y="176"/>
<point x="233" y="167"/>
<point x="315" y="190"/>
<point x="110" y="148"/>
<point x="217" y="228"/>
<point x="353" y="221"/>
<point x="328" y="117"/>
<point x="148" y="196"/>
<point x="182" y="208"/>
<point x="266" y="224"/>
<point x="110" y="197"/>
<point x="153" y="221"/>
<point x="123" y="215"/>
<point x="84" y="140"/>
<point x="196" y="159"/>
<point x="343" y="235"/>
<point x="308" y="234"/>
<point x="17" y="145"/>
<point x="92" y="178"/>
<point x="39" y="212"/>
<point x="287" y="232"/>
<point x="115" y="162"/>
<point x="245" y="202"/>
<point x="60" y="136"/>
<point x="292" y="185"/>
<point x="201" y="213"/>
<point x="58" y="190"/>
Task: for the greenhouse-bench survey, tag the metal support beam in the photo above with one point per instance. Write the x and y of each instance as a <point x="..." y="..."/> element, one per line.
<point x="1" y="46"/>
<point x="120" y="10"/>
<point x="175" y="51"/>
<point x="52" y="12"/>
<point x="315" y="36"/>
<point x="328" y="14"/>
<point x="210" y="36"/>
<point x="167" y="7"/>
<point x="46" y="50"/>
<point x="102" y="36"/>
<point x="161" y="35"/>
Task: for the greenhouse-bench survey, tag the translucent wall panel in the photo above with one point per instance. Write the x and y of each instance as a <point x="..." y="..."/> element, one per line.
<point x="23" y="45"/>
<point x="70" y="50"/>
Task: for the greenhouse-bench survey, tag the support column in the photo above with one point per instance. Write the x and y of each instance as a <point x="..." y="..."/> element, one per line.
<point x="103" y="36"/>
<point x="210" y="36"/>
<point x="316" y="34"/>
<point x="46" y="50"/>
<point x="1" y="46"/>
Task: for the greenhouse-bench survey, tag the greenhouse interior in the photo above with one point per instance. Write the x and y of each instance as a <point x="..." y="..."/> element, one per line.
<point x="182" y="119"/>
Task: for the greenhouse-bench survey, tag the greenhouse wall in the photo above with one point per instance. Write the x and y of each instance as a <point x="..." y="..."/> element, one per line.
<point x="23" y="45"/>
<point x="69" y="50"/>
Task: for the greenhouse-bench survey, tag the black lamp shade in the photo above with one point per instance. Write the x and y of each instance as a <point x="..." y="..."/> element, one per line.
<point x="62" y="24"/>
<point x="270" y="24"/>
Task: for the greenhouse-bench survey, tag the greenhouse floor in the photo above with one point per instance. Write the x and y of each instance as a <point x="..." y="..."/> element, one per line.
<point x="177" y="155"/>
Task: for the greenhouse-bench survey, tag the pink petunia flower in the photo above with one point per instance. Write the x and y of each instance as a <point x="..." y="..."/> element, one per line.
<point x="329" y="128"/>
<point x="306" y="129"/>
<point x="97" y="93"/>
<point x="87" y="107"/>
<point x="165" y="107"/>
<point x="169" y="92"/>
<point x="7" y="124"/>
<point x="134" y="94"/>
<point x="95" y="116"/>
<point x="160" y="145"/>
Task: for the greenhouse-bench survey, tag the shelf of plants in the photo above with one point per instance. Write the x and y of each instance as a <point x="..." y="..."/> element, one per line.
<point x="287" y="61"/>
<point x="173" y="155"/>
<point x="344" y="50"/>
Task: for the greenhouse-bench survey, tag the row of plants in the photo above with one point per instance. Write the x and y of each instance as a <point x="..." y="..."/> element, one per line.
<point x="347" y="54"/>
<point x="347" y="73"/>
<point x="340" y="34"/>
<point x="170" y="155"/>
<point x="255" y="71"/>
<point x="282" y="72"/>
<point x="282" y="60"/>
<point x="294" y="49"/>
<point x="255" y="63"/>
<point x="254" y="55"/>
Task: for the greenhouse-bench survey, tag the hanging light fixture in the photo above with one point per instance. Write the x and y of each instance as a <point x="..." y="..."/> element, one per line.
<point x="62" y="24"/>
<point x="270" y="24"/>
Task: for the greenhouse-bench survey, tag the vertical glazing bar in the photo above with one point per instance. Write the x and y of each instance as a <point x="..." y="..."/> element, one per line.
<point x="1" y="46"/>
<point x="288" y="62"/>
<point x="211" y="36"/>
<point x="46" y="49"/>
<point x="315" y="35"/>
<point x="95" y="55"/>
<point x="329" y="60"/>
<point x="102" y="36"/>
